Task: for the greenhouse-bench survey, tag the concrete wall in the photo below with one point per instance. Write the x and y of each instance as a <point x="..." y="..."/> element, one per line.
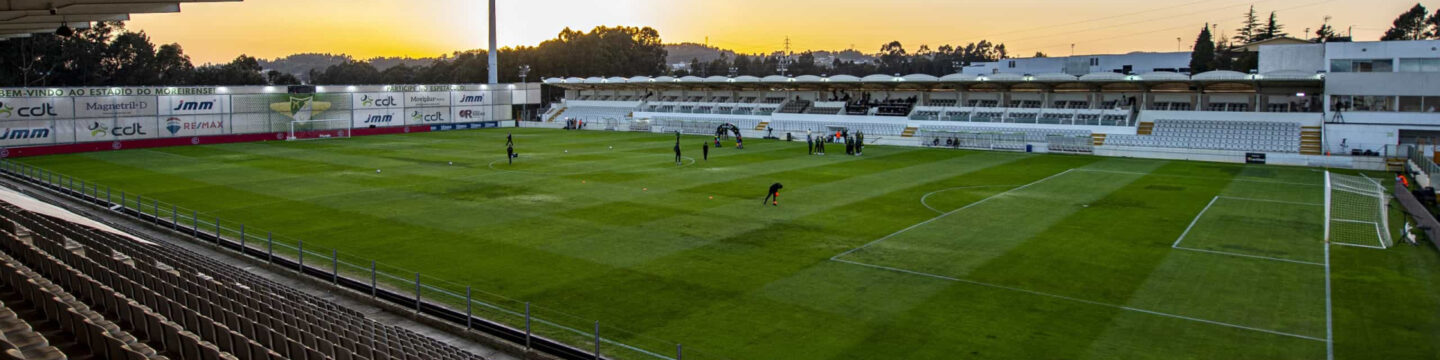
<point x="1308" y="58"/>
<point x="1140" y="62"/>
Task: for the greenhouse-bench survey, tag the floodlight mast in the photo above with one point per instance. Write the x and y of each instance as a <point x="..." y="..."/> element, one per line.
<point x="494" y="55"/>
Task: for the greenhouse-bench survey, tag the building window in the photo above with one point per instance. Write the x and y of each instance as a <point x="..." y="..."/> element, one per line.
<point x="1427" y="104"/>
<point x="1362" y="65"/>
<point x="1094" y="61"/>
<point x="1012" y="64"/>
<point x="1362" y="103"/>
<point x="1419" y="65"/>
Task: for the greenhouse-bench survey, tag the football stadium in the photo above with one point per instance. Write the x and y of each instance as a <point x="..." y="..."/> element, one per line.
<point x="1132" y="206"/>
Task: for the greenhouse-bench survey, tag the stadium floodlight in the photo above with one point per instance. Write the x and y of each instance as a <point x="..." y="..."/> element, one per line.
<point x="1356" y="211"/>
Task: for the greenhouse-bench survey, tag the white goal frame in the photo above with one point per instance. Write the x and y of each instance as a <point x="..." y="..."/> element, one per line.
<point x="1368" y="188"/>
<point x="328" y="130"/>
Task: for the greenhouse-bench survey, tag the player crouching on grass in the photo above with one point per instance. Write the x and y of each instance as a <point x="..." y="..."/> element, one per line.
<point x="773" y="193"/>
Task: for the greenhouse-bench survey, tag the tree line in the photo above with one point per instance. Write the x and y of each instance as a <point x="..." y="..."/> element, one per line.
<point x="106" y="54"/>
<point x="892" y="58"/>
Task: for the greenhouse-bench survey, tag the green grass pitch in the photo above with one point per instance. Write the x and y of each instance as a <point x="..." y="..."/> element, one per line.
<point x="905" y="253"/>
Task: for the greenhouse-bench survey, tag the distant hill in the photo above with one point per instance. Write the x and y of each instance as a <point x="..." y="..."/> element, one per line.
<point x="301" y="64"/>
<point x="684" y="52"/>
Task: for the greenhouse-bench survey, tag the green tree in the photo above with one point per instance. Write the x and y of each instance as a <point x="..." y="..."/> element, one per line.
<point x="130" y="61"/>
<point x="1273" y="29"/>
<point x="1433" y="24"/>
<point x="1202" y="59"/>
<point x="281" y="78"/>
<point x="1249" y="28"/>
<point x="1410" y="25"/>
<point x="173" y="65"/>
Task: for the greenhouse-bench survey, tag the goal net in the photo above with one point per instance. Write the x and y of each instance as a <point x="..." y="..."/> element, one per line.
<point x="1355" y="211"/>
<point x="319" y="129"/>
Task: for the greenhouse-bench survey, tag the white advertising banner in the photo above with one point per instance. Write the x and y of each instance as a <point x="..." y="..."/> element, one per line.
<point x="427" y="116"/>
<point x="194" y="125"/>
<point x="194" y="105"/>
<point x="115" y="106"/>
<point x="465" y="114"/>
<point x="384" y="100"/>
<point x="36" y="108"/>
<point x="88" y="130"/>
<point x="427" y="99"/>
<point x="379" y="118"/>
<point x="30" y="132"/>
<point x="473" y="98"/>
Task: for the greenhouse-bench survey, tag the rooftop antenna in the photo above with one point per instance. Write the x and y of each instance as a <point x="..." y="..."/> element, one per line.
<point x="494" y="55"/>
<point x="787" y="45"/>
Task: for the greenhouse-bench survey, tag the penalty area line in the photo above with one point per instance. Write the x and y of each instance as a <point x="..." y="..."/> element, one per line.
<point x="927" y="196"/>
<point x="952" y="212"/>
<point x="1083" y="301"/>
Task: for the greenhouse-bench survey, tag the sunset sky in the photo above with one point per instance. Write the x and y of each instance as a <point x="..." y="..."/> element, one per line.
<point x="217" y="32"/>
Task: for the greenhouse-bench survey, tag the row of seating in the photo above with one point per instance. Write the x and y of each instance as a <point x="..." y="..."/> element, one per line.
<point x="1204" y="144"/>
<point x="1031" y="134"/>
<point x="166" y="301"/>
<point x="800" y="127"/>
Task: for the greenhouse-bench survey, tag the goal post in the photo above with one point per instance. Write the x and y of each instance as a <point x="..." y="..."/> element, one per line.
<point x="1356" y="211"/>
<point x="319" y="129"/>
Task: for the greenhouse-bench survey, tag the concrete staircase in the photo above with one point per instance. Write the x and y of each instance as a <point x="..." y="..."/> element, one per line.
<point x="1146" y="128"/>
<point x="762" y="126"/>
<point x="909" y="132"/>
<point x="556" y="116"/>
<point x="1310" y="141"/>
<point x="1099" y="139"/>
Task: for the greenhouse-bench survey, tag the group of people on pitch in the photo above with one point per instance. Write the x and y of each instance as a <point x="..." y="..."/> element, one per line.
<point x="854" y="145"/>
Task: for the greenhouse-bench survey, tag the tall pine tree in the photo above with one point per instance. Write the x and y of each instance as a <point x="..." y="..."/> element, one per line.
<point x="1410" y="25"/>
<point x="1249" y="28"/>
<point x="1203" y="58"/>
<point x="1273" y="29"/>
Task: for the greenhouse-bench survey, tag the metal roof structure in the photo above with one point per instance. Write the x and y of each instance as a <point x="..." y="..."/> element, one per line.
<point x="21" y="18"/>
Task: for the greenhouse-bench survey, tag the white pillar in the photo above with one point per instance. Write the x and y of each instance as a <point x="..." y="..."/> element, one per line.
<point x="494" y="55"/>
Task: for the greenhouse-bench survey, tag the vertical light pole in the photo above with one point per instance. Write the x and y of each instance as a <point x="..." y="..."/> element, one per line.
<point x="494" y="55"/>
<point x="524" y="89"/>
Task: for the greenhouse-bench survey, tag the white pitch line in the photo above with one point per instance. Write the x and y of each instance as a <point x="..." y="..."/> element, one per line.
<point x="1203" y="177"/>
<point x="927" y="196"/>
<point x="1273" y="201"/>
<point x="1248" y="256"/>
<point x="1329" y="316"/>
<point x="1193" y="222"/>
<point x="1359" y="246"/>
<point x="922" y="223"/>
<point x="1091" y="302"/>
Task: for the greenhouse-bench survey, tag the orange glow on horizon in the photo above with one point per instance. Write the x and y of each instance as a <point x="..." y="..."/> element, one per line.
<point x="218" y="32"/>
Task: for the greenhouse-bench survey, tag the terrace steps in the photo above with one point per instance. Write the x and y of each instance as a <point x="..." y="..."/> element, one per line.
<point x="762" y="126"/>
<point x="1099" y="139"/>
<point x="556" y="116"/>
<point x="909" y="132"/>
<point x="1310" y="140"/>
<point x="1146" y="128"/>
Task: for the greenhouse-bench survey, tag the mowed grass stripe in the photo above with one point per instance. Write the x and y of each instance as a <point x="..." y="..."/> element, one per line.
<point x="758" y="241"/>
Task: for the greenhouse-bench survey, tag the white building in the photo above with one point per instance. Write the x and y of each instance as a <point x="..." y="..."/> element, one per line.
<point x="1132" y="63"/>
<point x="1376" y="93"/>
